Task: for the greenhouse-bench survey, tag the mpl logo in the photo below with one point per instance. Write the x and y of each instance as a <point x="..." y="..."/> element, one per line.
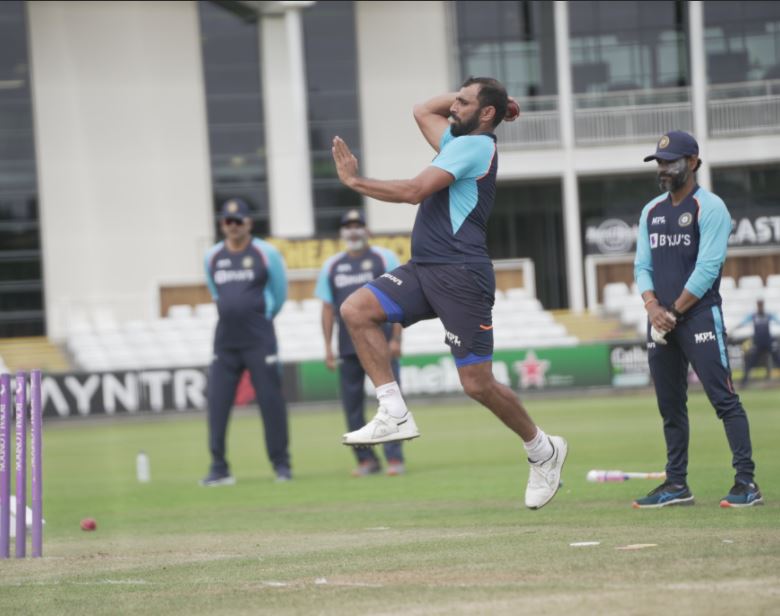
<point x="658" y="220"/>
<point x="344" y="267"/>
<point x="703" y="337"/>
<point x="452" y="338"/>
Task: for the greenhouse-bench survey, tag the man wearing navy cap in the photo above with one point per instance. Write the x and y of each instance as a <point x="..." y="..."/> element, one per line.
<point x="681" y="246"/>
<point x="247" y="279"/>
<point x="340" y="276"/>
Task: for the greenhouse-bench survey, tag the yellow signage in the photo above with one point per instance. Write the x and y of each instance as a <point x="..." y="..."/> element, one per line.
<point x="312" y="253"/>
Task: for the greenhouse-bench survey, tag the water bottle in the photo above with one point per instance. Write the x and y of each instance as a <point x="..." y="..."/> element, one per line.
<point x="142" y="467"/>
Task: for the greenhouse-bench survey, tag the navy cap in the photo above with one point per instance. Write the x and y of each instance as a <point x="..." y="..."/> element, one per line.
<point x="674" y="145"/>
<point x="234" y="208"/>
<point x="353" y="216"/>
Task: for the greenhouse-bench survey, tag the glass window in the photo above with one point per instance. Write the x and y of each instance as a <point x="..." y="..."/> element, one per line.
<point x="621" y="45"/>
<point x="742" y="40"/>
<point x="513" y="42"/>
<point x="527" y="221"/>
<point x="234" y="106"/>
<point x="616" y="196"/>
<point x="21" y="276"/>
<point x="747" y="187"/>
<point x="332" y="84"/>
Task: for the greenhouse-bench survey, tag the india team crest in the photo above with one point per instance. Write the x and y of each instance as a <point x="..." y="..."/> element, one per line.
<point x="685" y="219"/>
<point x="232" y="207"/>
<point x="247" y="262"/>
<point x="366" y="265"/>
<point x="663" y="142"/>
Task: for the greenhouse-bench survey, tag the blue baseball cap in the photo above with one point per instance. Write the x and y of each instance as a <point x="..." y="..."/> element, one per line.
<point x="234" y="208"/>
<point x="674" y="145"/>
<point x="353" y="216"/>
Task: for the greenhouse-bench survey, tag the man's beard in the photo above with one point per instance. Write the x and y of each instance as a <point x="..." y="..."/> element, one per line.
<point x="355" y="241"/>
<point x="465" y="127"/>
<point x="674" y="177"/>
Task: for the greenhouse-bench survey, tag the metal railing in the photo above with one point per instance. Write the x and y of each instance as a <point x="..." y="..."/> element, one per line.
<point x="629" y="124"/>
<point x="538" y="126"/>
<point x="744" y="108"/>
<point x="638" y="115"/>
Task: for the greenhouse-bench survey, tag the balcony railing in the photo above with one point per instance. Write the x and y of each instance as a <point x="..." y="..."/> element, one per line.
<point x="744" y="108"/>
<point x="641" y="115"/>
<point x="630" y="116"/>
<point x="538" y="126"/>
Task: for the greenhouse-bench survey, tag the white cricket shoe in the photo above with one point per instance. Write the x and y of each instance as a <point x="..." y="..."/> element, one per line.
<point x="545" y="477"/>
<point x="384" y="428"/>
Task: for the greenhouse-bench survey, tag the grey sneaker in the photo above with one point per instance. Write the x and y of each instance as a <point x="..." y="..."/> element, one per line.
<point x="283" y="473"/>
<point x="217" y="479"/>
<point x="366" y="468"/>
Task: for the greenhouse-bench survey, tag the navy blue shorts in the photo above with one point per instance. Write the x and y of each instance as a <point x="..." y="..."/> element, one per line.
<point x="461" y="295"/>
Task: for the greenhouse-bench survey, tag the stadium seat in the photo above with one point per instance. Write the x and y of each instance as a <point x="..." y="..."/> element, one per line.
<point x="773" y="281"/>
<point x="727" y="283"/>
<point x="614" y="294"/>
<point x="180" y="311"/>
<point x="751" y="282"/>
<point x="207" y="312"/>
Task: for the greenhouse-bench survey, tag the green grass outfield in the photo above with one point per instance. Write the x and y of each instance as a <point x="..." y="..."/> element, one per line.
<point x="450" y="537"/>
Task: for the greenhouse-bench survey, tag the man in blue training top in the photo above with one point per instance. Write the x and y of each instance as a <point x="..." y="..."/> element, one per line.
<point x="247" y="279"/>
<point x="681" y="246"/>
<point x="340" y="276"/>
<point x="450" y="275"/>
<point x="763" y="344"/>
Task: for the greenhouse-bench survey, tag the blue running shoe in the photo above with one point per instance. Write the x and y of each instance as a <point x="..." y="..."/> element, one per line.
<point x="665" y="495"/>
<point x="743" y="495"/>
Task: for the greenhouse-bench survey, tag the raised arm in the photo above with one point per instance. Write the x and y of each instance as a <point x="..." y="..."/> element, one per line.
<point x="432" y="117"/>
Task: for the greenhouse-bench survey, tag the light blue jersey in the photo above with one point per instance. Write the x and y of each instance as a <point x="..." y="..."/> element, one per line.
<point x="683" y="247"/>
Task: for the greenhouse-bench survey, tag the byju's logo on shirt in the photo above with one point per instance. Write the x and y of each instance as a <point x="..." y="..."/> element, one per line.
<point x="346" y="280"/>
<point x="667" y="240"/>
<point x="224" y="276"/>
<point x="703" y="337"/>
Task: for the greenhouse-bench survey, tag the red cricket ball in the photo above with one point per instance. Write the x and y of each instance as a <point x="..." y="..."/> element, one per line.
<point x="88" y="524"/>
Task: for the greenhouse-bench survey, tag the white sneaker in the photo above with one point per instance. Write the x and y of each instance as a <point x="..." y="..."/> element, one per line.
<point x="384" y="428"/>
<point x="545" y="477"/>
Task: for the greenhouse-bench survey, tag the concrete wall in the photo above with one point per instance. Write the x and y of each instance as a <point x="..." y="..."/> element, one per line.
<point x="122" y="152"/>
<point x="403" y="59"/>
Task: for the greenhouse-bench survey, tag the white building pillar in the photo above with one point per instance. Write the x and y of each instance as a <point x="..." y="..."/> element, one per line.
<point x="698" y="66"/>
<point x="571" y="200"/>
<point x="286" y="123"/>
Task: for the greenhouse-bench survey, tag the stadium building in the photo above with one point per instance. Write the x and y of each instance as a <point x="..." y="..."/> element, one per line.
<point x="123" y="126"/>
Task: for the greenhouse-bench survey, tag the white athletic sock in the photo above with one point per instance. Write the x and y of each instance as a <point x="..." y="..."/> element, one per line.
<point x="538" y="448"/>
<point x="389" y="396"/>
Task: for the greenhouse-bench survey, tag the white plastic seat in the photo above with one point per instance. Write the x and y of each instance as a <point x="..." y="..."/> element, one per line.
<point x="773" y="281"/>
<point x="751" y="282"/>
<point x="206" y="311"/>
<point x="727" y="283"/>
<point x="180" y="311"/>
